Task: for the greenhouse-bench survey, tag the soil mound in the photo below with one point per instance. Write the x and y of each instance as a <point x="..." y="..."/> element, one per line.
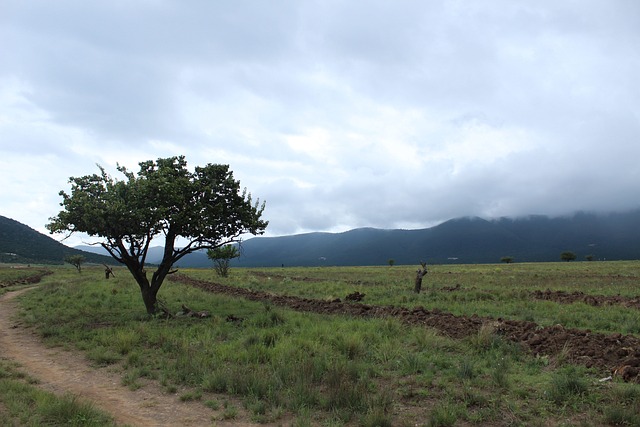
<point x="564" y="297"/>
<point x="29" y="280"/>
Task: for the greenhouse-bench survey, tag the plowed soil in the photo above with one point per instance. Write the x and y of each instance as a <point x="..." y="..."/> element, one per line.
<point x="616" y="353"/>
<point x="594" y="300"/>
<point x="30" y="279"/>
<point x="561" y="297"/>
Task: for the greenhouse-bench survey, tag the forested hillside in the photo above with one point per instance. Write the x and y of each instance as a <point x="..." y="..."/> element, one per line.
<point x="614" y="236"/>
<point x="24" y="245"/>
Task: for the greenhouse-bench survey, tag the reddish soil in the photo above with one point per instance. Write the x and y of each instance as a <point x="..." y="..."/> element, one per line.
<point x="615" y="353"/>
<point x="594" y="300"/>
<point x="561" y="297"/>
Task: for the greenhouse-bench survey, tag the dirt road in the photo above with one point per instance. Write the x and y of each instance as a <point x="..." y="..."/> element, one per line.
<point x="61" y="371"/>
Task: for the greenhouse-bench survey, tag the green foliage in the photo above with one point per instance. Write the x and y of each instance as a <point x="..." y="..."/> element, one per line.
<point x="568" y="256"/>
<point x="221" y="258"/>
<point x="625" y="409"/>
<point x="566" y="384"/>
<point x="506" y="259"/>
<point x="443" y="416"/>
<point x="205" y="207"/>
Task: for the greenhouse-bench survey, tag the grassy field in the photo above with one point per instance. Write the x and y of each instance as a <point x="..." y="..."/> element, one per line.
<point x="337" y="370"/>
<point x="486" y="290"/>
<point x="15" y="276"/>
<point x="22" y="403"/>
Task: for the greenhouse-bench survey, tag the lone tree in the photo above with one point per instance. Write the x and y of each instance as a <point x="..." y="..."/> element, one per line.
<point x="568" y="256"/>
<point x="221" y="258"/>
<point x="507" y="259"/>
<point x="76" y="261"/>
<point x="204" y="207"/>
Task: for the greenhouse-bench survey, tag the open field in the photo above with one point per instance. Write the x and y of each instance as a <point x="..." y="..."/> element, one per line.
<point x="504" y="290"/>
<point x="255" y="361"/>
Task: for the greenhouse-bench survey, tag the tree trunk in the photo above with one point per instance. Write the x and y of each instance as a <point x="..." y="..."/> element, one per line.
<point x="419" y="275"/>
<point x="149" y="289"/>
<point x="149" y="297"/>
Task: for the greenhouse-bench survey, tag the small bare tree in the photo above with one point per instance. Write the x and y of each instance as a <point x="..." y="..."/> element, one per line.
<point x="108" y="271"/>
<point x="420" y="274"/>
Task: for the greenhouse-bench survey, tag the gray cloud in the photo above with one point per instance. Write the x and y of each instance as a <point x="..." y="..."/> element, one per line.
<point x="393" y="114"/>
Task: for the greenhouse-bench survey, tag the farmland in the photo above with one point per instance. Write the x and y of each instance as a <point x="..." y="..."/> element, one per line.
<point x="273" y="351"/>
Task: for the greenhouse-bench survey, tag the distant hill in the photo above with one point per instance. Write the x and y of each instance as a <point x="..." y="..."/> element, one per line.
<point x="23" y="245"/>
<point x="614" y="236"/>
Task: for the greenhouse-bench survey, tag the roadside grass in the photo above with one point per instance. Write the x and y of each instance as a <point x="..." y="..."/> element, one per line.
<point x="11" y="275"/>
<point x="23" y="403"/>
<point x="328" y="370"/>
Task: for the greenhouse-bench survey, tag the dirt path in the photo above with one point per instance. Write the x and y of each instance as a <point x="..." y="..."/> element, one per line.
<point x="61" y="372"/>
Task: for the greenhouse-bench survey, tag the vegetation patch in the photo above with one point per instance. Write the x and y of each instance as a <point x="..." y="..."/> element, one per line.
<point x="332" y="369"/>
<point x="23" y="403"/>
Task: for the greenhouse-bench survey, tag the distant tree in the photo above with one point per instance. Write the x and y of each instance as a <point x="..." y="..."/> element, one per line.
<point x="589" y="257"/>
<point x="205" y="207"/>
<point x="419" y="275"/>
<point x="507" y="259"/>
<point x="76" y="261"/>
<point x="221" y="258"/>
<point x="568" y="256"/>
<point x="391" y="262"/>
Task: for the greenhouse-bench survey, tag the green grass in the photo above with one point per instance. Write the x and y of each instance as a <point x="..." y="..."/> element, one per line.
<point x="490" y="290"/>
<point x="11" y="276"/>
<point x="337" y="370"/>
<point x="22" y="403"/>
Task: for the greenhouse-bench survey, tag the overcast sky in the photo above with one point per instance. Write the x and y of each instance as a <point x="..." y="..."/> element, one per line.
<point x="340" y="114"/>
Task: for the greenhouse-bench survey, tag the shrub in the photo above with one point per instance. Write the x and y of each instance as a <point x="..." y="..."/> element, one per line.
<point x="567" y="384"/>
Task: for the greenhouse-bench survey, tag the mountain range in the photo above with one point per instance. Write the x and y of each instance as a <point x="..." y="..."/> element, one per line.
<point x="468" y="240"/>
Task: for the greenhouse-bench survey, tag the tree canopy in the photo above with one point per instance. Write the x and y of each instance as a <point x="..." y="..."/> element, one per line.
<point x="164" y="199"/>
